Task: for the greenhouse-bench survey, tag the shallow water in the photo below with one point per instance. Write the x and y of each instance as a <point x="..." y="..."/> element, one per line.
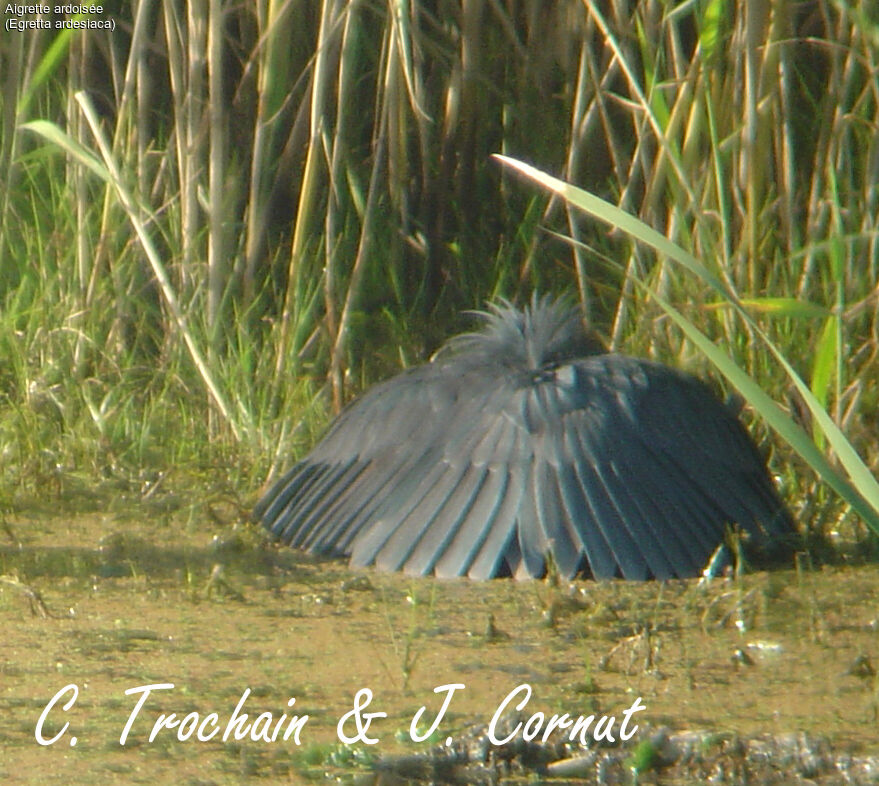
<point x="118" y="602"/>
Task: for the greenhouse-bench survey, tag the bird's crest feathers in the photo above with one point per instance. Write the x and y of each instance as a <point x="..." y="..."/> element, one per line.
<point x="546" y="332"/>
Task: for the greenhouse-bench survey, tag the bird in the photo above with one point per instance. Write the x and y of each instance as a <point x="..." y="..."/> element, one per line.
<point x="525" y="447"/>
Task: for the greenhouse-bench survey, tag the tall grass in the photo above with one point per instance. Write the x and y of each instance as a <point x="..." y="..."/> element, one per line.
<point x="304" y="194"/>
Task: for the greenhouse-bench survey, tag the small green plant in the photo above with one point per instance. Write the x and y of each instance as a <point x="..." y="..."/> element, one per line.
<point x="314" y="760"/>
<point x="407" y="647"/>
<point x="642" y="759"/>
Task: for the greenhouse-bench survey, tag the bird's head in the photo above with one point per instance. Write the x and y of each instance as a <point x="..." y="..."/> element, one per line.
<point x="546" y="333"/>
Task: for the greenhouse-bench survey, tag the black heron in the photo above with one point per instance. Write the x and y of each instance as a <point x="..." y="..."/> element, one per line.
<point x="524" y="442"/>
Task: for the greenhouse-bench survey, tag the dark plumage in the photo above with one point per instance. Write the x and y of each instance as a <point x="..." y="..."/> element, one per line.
<point x="527" y="439"/>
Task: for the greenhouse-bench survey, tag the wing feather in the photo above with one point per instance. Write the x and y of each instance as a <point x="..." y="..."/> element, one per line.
<point x="615" y="466"/>
<point x="458" y="557"/>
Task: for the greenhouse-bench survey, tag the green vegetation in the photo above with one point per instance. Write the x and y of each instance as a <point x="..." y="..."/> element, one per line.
<point x="216" y="227"/>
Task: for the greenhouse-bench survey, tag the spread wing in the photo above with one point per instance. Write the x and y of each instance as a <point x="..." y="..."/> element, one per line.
<point x="613" y="466"/>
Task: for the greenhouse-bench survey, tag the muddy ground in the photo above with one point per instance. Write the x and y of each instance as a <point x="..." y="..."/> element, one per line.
<point x="123" y="600"/>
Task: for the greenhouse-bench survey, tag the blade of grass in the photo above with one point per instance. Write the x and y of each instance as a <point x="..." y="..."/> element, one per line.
<point x="774" y="416"/>
<point x="863" y="492"/>
<point x="52" y="133"/>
